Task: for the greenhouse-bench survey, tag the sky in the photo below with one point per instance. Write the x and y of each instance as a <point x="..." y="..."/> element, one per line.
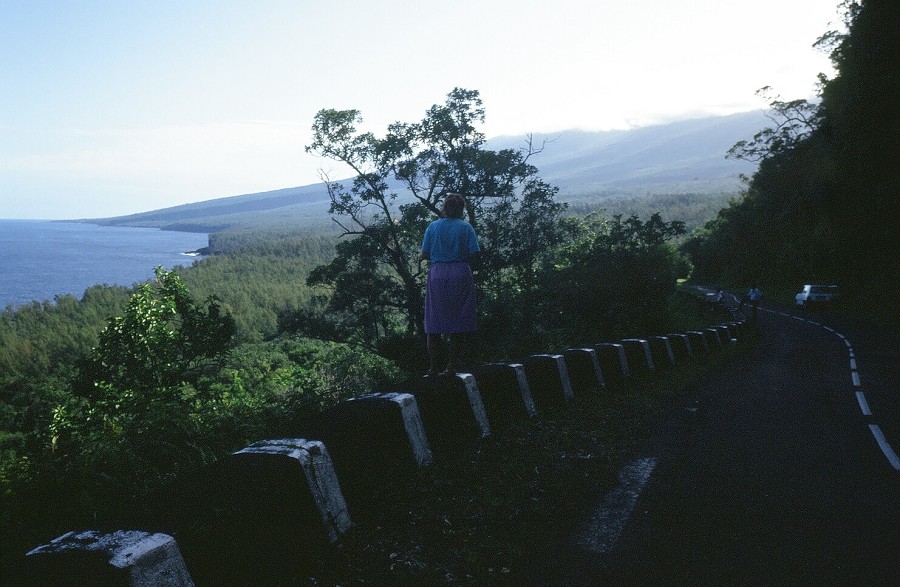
<point x="111" y="107"/>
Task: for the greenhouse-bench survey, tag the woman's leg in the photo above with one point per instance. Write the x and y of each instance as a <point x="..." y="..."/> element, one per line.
<point x="452" y="354"/>
<point x="432" y="343"/>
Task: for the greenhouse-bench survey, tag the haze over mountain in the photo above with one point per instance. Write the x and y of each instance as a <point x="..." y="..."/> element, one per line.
<point x="588" y="167"/>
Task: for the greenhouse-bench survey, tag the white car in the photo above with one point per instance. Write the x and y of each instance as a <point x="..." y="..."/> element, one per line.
<point x="816" y="295"/>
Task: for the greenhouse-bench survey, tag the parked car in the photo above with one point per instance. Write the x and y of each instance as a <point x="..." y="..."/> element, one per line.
<point x="816" y="295"/>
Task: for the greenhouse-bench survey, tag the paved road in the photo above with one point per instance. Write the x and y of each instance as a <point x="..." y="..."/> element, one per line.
<point x="772" y="475"/>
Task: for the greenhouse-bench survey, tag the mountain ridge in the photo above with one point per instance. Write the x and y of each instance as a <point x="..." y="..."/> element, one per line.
<point x="686" y="156"/>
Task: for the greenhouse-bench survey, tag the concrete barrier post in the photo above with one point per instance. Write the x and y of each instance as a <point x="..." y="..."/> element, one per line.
<point x="638" y="352"/>
<point x="613" y="361"/>
<point x="474" y="394"/>
<point x="548" y="378"/>
<point x="505" y="391"/>
<point x="725" y="337"/>
<point x="661" y="351"/>
<point x="312" y="459"/>
<point x="733" y="331"/>
<point x="373" y="440"/>
<point x="125" y="557"/>
<point x="712" y="338"/>
<point x="681" y="347"/>
<point x="698" y="341"/>
<point x="584" y="369"/>
<point x="382" y="426"/>
<point x="452" y="410"/>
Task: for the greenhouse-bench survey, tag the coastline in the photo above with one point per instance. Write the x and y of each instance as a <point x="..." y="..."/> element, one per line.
<point x="46" y="259"/>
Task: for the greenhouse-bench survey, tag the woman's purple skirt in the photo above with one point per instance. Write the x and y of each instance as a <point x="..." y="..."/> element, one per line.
<point x="450" y="299"/>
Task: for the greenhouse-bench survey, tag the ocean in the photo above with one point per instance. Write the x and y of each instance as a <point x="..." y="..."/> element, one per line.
<point x="40" y="260"/>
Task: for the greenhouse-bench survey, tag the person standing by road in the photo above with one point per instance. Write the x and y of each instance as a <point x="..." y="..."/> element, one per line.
<point x="754" y="295"/>
<point x="449" y="245"/>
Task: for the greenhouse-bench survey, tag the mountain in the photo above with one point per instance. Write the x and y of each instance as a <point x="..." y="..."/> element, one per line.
<point x="680" y="157"/>
<point x="676" y="158"/>
<point x="305" y="205"/>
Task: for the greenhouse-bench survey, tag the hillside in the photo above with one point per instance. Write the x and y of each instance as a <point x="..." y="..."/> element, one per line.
<point x="588" y="167"/>
<point x="681" y="157"/>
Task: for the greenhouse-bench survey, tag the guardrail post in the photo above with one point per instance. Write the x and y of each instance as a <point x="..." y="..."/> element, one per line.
<point x="548" y="378"/>
<point x="638" y="352"/>
<point x="126" y="557"/>
<point x="661" y="351"/>
<point x="505" y="391"/>
<point x="584" y="369"/>
<point x="613" y="361"/>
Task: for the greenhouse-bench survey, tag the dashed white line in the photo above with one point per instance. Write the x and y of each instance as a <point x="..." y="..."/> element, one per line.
<point x="892" y="457"/>
<point x="601" y="533"/>
<point x="863" y="404"/>
<point x="883" y="444"/>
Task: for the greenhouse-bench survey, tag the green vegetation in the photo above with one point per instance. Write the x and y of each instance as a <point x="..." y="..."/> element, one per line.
<point x="103" y="418"/>
<point x="822" y="207"/>
<point x="260" y="275"/>
<point x="694" y="210"/>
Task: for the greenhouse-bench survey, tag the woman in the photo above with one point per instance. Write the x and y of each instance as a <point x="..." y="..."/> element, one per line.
<point x="449" y="245"/>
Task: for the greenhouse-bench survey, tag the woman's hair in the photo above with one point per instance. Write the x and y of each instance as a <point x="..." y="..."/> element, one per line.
<point x="454" y="205"/>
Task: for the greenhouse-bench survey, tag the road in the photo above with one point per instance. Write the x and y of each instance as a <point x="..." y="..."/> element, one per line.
<point x="773" y="473"/>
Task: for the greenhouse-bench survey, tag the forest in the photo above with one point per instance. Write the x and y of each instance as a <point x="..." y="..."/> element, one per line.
<point x="823" y="205"/>
<point x="108" y="399"/>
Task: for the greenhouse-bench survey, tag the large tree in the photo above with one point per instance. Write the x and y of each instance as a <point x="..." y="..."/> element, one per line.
<point x="376" y="277"/>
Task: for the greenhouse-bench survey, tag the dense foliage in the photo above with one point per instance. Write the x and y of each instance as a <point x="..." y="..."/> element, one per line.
<point x="260" y="276"/>
<point x="823" y="204"/>
<point x="107" y="400"/>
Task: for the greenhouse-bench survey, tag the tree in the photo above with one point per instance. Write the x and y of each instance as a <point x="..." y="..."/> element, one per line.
<point x="613" y="278"/>
<point x="794" y="121"/>
<point x="400" y="180"/>
<point x="162" y="339"/>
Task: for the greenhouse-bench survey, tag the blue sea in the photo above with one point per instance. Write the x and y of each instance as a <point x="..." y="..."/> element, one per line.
<point x="40" y="260"/>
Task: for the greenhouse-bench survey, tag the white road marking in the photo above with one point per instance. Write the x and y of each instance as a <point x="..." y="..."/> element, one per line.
<point x="863" y="404"/>
<point x="892" y="457"/>
<point x="601" y="533"/>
